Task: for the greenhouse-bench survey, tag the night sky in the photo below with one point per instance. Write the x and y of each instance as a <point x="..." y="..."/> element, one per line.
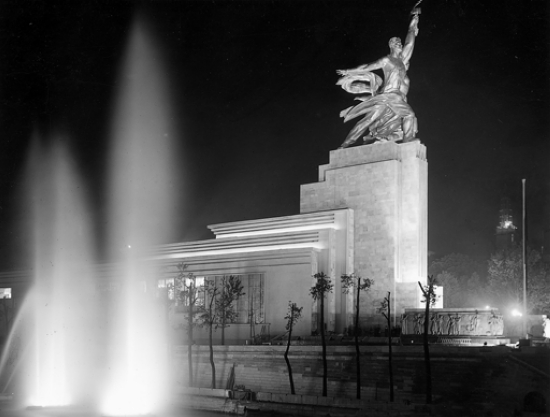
<point x="258" y="109"/>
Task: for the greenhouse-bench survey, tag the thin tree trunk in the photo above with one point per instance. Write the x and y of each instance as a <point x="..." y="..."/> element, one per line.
<point x="223" y="327"/>
<point x="210" y="331"/>
<point x="427" y="352"/>
<point x="357" y="352"/>
<point x="168" y="335"/>
<point x="223" y="313"/>
<point x="291" y="380"/>
<point x="252" y="321"/>
<point x="190" y="343"/>
<point x="323" y="342"/>
<point x="212" y="365"/>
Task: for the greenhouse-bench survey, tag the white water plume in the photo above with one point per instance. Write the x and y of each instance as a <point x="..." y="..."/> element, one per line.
<point x="140" y="205"/>
<point x="60" y="305"/>
<point x="107" y="350"/>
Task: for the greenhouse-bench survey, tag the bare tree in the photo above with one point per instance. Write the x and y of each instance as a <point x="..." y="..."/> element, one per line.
<point x="208" y="317"/>
<point x="385" y="309"/>
<point x="428" y="292"/>
<point x="215" y="310"/>
<point x="322" y="287"/>
<point x="293" y="314"/>
<point x="231" y="290"/>
<point x="188" y="295"/>
<point x="352" y="283"/>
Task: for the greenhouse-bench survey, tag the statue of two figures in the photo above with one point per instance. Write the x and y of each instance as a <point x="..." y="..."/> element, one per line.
<point x="386" y="115"/>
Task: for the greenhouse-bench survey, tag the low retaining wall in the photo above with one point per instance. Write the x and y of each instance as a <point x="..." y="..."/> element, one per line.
<point x="301" y="405"/>
<point x="464" y="379"/>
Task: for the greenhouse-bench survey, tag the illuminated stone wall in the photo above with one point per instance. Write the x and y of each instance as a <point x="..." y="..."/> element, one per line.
<point x="287" y="251"/>
<point x="386" y="186"/>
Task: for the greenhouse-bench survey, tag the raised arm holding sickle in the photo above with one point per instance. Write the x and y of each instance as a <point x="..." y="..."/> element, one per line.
<point x="386" y="114"/>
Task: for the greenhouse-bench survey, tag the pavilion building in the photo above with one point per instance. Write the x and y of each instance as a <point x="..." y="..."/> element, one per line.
<point x="366" y="214"/>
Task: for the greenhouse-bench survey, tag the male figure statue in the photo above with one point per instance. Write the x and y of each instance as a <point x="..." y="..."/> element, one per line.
<point x="386" y="114"/>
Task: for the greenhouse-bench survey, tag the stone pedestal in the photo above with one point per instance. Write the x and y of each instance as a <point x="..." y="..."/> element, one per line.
<point x="386" y="186"/>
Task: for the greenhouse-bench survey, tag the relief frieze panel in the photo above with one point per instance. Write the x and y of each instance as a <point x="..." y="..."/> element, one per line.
<point x="453" y="322"/>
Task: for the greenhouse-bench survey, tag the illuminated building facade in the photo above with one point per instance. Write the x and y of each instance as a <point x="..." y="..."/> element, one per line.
<point x="367" y="214"/>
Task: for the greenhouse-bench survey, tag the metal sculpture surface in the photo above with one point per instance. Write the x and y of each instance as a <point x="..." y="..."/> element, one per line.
<point x="384" y="109"/>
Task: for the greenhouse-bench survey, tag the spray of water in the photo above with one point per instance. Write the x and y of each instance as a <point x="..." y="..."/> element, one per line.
<point x="140" y="208"/>
<point x="81" y="352"/>
<point x="61" y="308"/>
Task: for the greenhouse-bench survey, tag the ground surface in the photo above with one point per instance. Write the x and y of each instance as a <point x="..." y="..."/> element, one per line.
<point x="16" y="411"/>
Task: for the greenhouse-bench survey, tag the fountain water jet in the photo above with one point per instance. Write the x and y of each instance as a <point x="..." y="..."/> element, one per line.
<point x="120" y="369"/>
<point x="141" y="201"/>
<point x="60" y="309"/>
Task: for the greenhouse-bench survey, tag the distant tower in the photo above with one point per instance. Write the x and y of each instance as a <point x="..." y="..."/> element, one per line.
<point x="506" y="230"/>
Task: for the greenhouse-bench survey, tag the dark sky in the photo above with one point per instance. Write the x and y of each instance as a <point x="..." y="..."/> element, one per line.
<point x="259" y="109"/>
